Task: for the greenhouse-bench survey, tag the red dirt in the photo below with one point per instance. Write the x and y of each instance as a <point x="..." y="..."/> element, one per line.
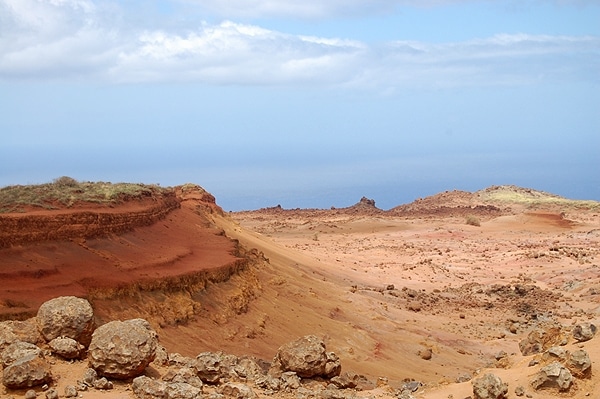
<point x="158" y="244"/>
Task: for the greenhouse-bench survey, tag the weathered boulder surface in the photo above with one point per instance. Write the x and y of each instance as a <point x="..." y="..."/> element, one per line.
<point x="580" y="364"/>
<point x="307" y="356"/>
<point x="237" y="391"/>
<point x="66" y="347"/>
<point x="122" y="349"/>
<point x="489" y="386"/>
<point x="584" y="332"/>
<point x="66" y="316"/>
<point x="28" y="371"/>
<point x="147" y="388"/>
<point x="17" y="350"/>
<point x="15" y="330"/>
<point x="541" y="339"/>
<point x="212" y="367"/>
<point x="554" y="375"/>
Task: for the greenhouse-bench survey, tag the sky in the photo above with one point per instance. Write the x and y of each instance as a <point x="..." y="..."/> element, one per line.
<point x="306" y="104"/>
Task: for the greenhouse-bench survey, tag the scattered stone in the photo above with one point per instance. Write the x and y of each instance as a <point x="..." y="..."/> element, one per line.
<point x="426" y="354"/>
<point x="307" y="357"/>
<point x="520" y="390"/>
<point x="411" y="386"/>
<point x="554" y="375"/>
<point x="268" y="382"/>
<point x="555" y="353"/>
<point x="27" y="372"/>
<point x="345" y="381"/>
<point x="30" y="394"/>
<point x="464" y="377"/>
<point x="103" y="384"/>
<point x="579" y="364"/>
<point x="122" y="349"/>
<point x="17" y="350"/>
<point x="66" y="316"/>
<point x="414" y="306"/>
<point x="161" y="357"/>
<point x="237" y="391"/>
<point x="89" y="377"/>
<point x="289" y="381"/>
<point x="147" y="388"/>
<point x="184" y="374"/>
<point x="489" y="386"/>
<point x="584" y="332"/>
<point x="52" y="393"/>
<point x="70" y="391"/>
<point x="66" y="347"/>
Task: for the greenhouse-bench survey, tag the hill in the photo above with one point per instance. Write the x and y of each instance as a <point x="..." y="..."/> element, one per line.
<point x="413" y="293"/>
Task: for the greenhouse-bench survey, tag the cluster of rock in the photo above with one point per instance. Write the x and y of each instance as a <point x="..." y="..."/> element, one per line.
<point x="122" y="350"/>
<point x="560" y="366"/>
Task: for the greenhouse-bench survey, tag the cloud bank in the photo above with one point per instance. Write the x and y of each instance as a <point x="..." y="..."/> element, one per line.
<point x="79" y="40"/>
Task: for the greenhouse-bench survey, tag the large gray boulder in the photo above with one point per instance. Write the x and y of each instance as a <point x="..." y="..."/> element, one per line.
<point x="554" y="375"/>
<point x="28" y="371"/>
<point x="489" y="386"/>
<point x="307" y="357"/>
<point x="66" y="316"/>
<point x="122" y="349"/>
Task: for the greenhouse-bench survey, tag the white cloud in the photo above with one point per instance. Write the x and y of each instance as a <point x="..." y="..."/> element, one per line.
<point x="316" y="9"/>
<point x="75" y="39"/>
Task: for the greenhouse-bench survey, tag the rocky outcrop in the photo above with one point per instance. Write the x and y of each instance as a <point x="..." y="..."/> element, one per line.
<point x="489" y="386"/>
<point x="66" y="316"/>
<point x="308" y="358"/>
<point x="122" y="349"/>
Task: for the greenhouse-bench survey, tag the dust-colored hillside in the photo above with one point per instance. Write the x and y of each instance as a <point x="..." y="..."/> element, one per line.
<point x="413" y="293"/>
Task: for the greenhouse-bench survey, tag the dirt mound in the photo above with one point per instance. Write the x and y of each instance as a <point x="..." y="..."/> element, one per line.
<point x="147" y="244"/>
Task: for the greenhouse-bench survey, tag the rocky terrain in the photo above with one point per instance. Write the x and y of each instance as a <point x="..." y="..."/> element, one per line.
<point x="488" y="294"/>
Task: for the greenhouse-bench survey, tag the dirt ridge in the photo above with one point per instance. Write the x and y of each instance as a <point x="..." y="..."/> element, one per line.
<point x="17" y="229"/>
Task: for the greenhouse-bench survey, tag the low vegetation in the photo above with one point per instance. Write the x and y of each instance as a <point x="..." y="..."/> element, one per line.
<point x="533" y="198"/>
<point x="473" y="221"/>
<point x="65" y="191"/>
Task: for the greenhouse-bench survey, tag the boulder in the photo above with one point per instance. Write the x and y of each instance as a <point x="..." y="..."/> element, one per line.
<point x="584" y="332"/>
<point x="15" y="330"/>
<point x="70" y="391"/>
<point x="17" y="350"/>
<point x="307" y="357"/>
<point x="147" y="388"/>
<point x="184" y="374"/>
<point x="66" y="316"/>
<point x="27" y="372"/>
<point x="541" y="339"/>
<point x="66" y="347"/>
<point x="213" y="367"/>
<point x="489" y="386"/>
<point x="579" y="364"/>
<point x="122" y="349"/>
<point x="237" y="391"/>
<point x="554" y="375"/>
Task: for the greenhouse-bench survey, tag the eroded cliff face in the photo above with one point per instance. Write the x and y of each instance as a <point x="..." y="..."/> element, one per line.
<point x="35" y="227"/>
<point x="148" y="255"/>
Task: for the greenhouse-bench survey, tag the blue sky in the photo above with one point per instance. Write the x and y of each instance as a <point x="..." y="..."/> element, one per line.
<point x="303" y="104"/>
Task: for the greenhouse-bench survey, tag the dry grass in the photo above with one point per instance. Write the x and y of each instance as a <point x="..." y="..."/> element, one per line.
<point x="533" y="198"/>
<point x="65" y="191"/>
<point x="473" y="221"/>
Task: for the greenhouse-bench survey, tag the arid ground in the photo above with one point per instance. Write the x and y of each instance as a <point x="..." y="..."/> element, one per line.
<point x="437" y="291"/>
